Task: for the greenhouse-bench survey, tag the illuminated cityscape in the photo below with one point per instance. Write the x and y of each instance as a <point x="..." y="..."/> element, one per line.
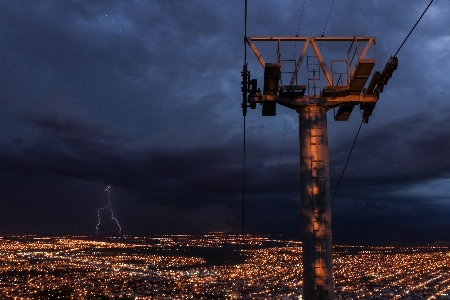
<point x="211" y="266"/>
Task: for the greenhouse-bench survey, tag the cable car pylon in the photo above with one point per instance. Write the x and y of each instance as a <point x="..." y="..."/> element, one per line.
<point x="343" y="91"/>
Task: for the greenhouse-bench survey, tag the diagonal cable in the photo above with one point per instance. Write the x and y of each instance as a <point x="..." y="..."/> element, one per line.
<point x="413" y="27"/>
<point x="329" y="13"/>
<point x="345" y="166"/>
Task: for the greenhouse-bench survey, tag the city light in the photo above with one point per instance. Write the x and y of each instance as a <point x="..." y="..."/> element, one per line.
<point x="211" y="266"/>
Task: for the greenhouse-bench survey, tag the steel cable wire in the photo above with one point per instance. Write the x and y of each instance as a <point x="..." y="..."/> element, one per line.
<point x="345" y="166"/>
<point x="413" y="28"/>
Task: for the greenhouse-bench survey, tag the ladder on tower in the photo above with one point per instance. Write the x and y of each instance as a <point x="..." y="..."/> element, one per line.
<point x="318" y="188"/>
<point x="314" y="74"/>
<point x="318" y="202"/>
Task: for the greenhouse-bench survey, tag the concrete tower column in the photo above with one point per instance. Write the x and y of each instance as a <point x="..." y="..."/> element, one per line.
<point x="315" y="204"/>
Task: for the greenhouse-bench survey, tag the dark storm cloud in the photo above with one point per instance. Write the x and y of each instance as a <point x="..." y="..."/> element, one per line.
<point x="407" y="150"/>
<point x="392" y="185"/>
<point x="168" y="176"/>
<point x="66" y="146"/>
<point x="63" y="145"/>
<point x="144" y="95"/>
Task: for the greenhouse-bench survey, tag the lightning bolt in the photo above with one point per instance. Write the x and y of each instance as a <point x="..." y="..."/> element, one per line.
<point x="108" y="205"/>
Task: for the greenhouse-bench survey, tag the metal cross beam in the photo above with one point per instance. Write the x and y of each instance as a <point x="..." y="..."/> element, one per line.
<point x="308" y="41"/>
<point x="346" y="93"/>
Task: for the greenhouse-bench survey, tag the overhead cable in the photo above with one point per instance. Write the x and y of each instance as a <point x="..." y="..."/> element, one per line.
<point x="245" y="33"/>
<point x="301" y="15"/>
<point x="244" y="104"/>
<point x="345" y="166"/>
<point x="413" y="27"/>
<point x="326" y="23"/>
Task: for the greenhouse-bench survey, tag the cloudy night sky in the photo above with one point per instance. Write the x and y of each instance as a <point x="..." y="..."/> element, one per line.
<point x="144" y="96"/>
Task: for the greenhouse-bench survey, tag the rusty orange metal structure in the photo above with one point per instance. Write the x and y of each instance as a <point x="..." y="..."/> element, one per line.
<point x="343" y="91"/>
